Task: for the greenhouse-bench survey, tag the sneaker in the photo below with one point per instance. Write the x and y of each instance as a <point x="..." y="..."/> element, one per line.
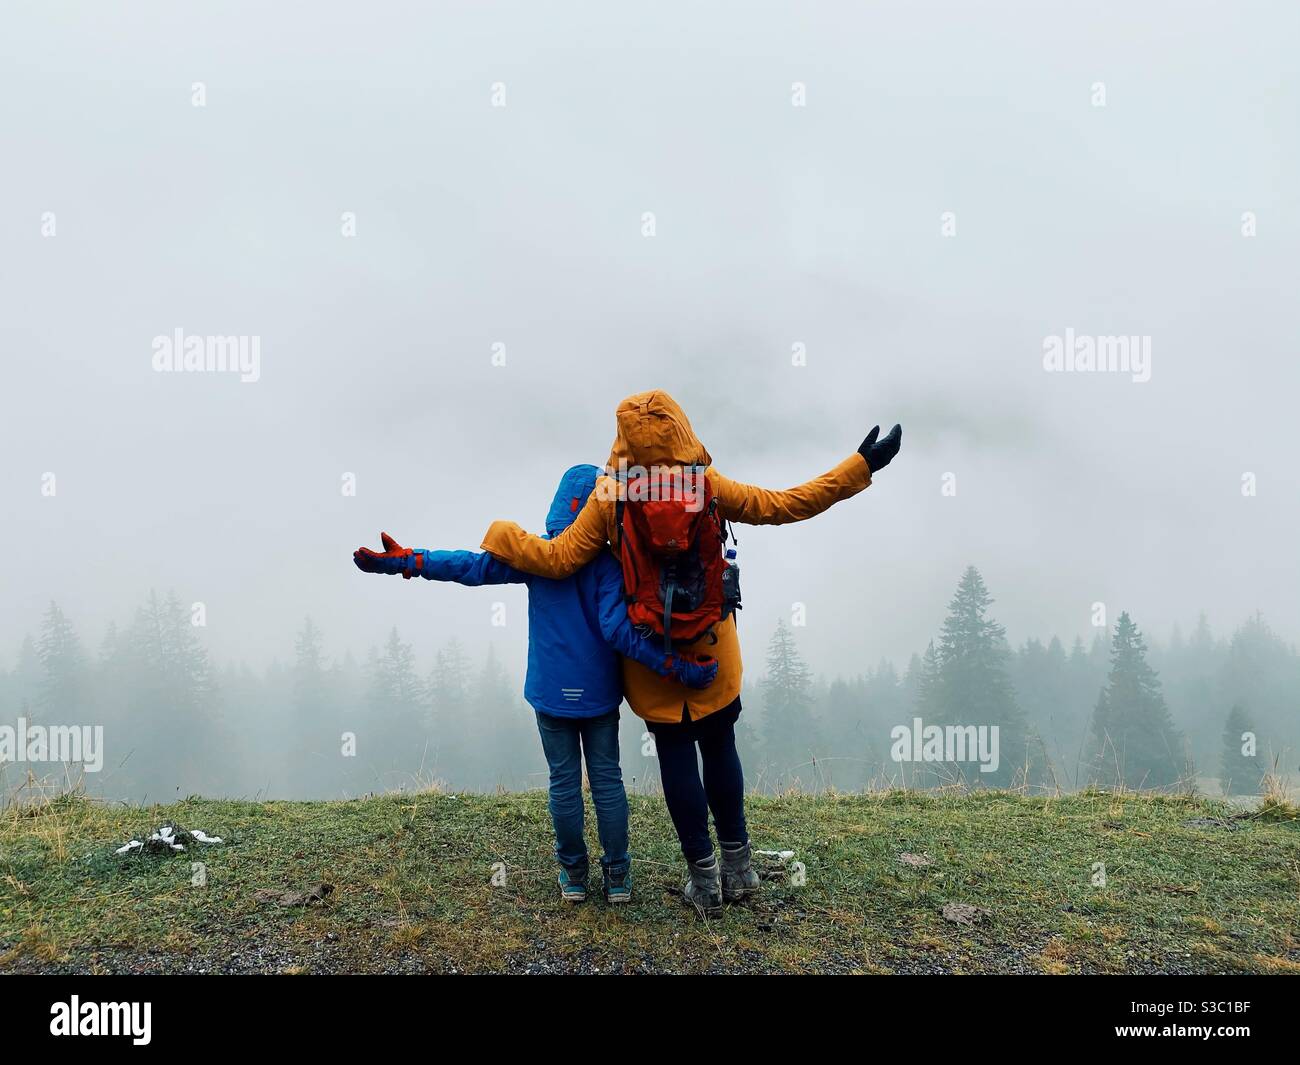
<point x="616" y="887"/>
<point x="573" y="885"/>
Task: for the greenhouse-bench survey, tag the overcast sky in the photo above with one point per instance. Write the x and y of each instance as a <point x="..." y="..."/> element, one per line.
<point x="774" y="225"/>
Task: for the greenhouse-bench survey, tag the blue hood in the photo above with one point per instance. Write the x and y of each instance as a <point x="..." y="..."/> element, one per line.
<point x="570" y="497"/>
<point x="577" y="625"/>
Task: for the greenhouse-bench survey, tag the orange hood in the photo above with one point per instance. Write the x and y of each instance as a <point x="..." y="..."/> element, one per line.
<point x="654" y="431"/>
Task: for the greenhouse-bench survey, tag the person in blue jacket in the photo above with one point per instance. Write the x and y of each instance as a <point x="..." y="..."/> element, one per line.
<point x="577" y="628"/>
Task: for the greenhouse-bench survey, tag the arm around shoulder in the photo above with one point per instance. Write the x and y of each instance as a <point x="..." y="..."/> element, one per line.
<point x="567" y="553"/>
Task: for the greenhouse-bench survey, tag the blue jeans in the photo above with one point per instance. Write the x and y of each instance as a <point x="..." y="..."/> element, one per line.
<point x="565" y="740"/>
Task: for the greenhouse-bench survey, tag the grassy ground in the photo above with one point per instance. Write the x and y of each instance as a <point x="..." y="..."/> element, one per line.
<point x="412" y="889"/>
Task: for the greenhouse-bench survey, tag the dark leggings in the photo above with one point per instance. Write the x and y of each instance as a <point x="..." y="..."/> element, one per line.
<point x="723" y="789"/>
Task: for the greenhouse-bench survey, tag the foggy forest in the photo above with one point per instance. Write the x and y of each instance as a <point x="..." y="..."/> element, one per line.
<point x="401" y="715"/>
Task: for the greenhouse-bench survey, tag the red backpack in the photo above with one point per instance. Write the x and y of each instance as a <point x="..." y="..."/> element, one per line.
<point x="670" y="540"/>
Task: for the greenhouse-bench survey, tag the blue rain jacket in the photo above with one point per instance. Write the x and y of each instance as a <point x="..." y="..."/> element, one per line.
<point x="577" y="626"/>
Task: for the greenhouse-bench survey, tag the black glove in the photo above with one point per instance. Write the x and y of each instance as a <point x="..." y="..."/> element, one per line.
<point x="878" y="453"/>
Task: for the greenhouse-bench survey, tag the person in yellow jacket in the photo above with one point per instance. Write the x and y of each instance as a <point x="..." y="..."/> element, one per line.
<point x="654" y="431"/>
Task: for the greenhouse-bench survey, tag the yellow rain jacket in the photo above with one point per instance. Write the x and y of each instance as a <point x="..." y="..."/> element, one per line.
<point x="654" y="431"/>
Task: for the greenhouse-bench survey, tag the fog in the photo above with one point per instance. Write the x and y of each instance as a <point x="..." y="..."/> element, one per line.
<point x="951" y="194"/>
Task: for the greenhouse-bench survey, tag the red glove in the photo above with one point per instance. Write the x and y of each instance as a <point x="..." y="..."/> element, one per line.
<point x="394" y="559"/>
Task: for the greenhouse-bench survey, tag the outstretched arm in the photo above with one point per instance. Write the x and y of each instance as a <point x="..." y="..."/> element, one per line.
<point x="463" y="567"/>
<point x="471" y="568"/>
<point x="751" y="505"/>
<point x="567" y="553"/>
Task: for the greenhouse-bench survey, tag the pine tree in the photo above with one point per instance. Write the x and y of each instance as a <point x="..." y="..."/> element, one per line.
<point x="452" y="719"/>
<point x="1084" y="679"/>
<point x="1262" y="672"/>
<point x="1078" y="655"/>
<point x="971" y="686"/>
<point x="1133" y="739"/>
<point x="1202" y="641"/>
<point x="63" y="668"/>
<point x="346" y="680"/>
<point x="26" y="677"/>
<point x="1040" y="676"/>
<point x="1240" y="772"/>
<point x="929" y="705"/>
<point x="108" y="702"/>
<point x="506" y="750"/>
<point x="887" y="704"/>
<point x="171" y="722"/>
<point x="316" y="766"/>
<point x="189" y="666"/>
<point x="790" y="735"/>
<point x="927" y="690"/>
<point x="395" y="742"/>
<point x="309" y="666"/>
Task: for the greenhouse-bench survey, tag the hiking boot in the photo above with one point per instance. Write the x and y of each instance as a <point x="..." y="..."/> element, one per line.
<point x="616" y="886"/>
<point x="573" y="884"/>
<point x="703" y="887"/>
<point x="739" y="881"/>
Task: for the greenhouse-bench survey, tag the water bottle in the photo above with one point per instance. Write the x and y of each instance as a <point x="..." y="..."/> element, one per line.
<point x="730" y="582"/>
